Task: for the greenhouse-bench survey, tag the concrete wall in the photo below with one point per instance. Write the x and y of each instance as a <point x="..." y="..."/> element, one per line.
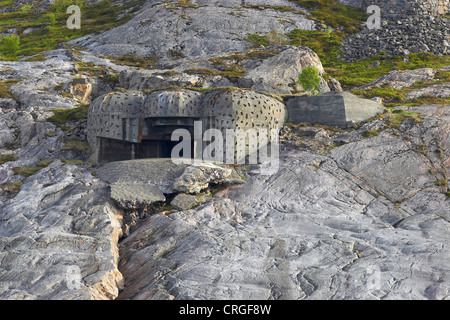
<point x="173" y="103"/>
<point x="332" y="109"/>
<point x="110" y="114"/>
<point x="246" y="110"/>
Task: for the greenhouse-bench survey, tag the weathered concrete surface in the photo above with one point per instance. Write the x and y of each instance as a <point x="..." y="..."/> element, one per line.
<point x="334" y="109"/>
<point x="364" y="221"/>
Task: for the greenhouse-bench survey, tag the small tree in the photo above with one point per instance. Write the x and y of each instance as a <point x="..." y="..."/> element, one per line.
<point x="310" y="80"/>
<point x="10" y="45"/>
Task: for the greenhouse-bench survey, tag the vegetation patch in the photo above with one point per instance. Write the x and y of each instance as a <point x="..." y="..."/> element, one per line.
<point x="26" y="171"/>
<point x="276" y="8"/>
<point x="370" y="133"/>
<point x="310" y="80"/>
<point x="8" y="158"/>
<point x="133" y="61"/>
<point x="331" y="13"/>
<point x="62" y="117"/>
<point x="76" y="162"/>
<point x="50" y="27"/>
<point x="233" y="72"/>
<point x="77" y="145"/>
<point x="273" y="38"/>
<point x="4" y="88"/>
<point x="395" y="117"/>
<point x="11" y="188"/>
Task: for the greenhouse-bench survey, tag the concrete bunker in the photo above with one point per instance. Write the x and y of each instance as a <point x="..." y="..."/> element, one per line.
<point x="128" y="126"/>
<point x="131" y="125"/>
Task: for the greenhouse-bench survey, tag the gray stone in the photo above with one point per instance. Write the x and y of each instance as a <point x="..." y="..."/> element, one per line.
<point x="8" y="103"/>
<point x="58" y="238"/>
<point x="279" y="74"/>
<point x="129" y="195"/>
<point x="211" y="28"/>
<point x="157" y="172"/>
<point x="184" y="202"/>
<point x="334" y="109"/>
<point x="197" y="177"/>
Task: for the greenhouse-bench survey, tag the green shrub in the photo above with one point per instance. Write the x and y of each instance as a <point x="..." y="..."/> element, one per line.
<point x="310" y="79"/>
<point x="25" y="9"/>
<point x="10" y="45"/>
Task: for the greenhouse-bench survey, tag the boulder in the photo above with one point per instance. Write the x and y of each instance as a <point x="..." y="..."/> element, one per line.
<point x="129" y="195"/>
<point x="8" y="103"/>
<point x="279" y="73"/>
<point x="184" y="202"/>
<point x="197" y="177"/>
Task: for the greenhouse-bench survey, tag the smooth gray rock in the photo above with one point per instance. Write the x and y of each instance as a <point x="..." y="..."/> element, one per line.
<point x="58" y="238"/>
<point x="184" y="202"/>
<point x="211" y="28"/>
<point x="135" y="195"/>
<point x="333" y="109"/>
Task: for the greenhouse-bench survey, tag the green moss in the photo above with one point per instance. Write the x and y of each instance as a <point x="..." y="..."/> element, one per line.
<point x="370" y="133"/>
<point x="76" y="162"/>
<point x="111" y="78"/>
<point x="44" y="163"/>
<point x="397" y="117"/>
<point x="50" y="25"/>
<point x="8" y="158"/>
<point x="442" y="182"/>
<point x="331" y="13"/>
<point x="12" y="187"/>
<point x="273" y="38"/>
<point x="232" y="72"/>
<point x="76" y="145"/>
<point x="4" y="88"/>
<point x="276" y="8"/>
<point x="61" y="117"/>
<point x="26" y="171"/>
<point x="134" y="61"/>
<point x="90" y="68"/>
